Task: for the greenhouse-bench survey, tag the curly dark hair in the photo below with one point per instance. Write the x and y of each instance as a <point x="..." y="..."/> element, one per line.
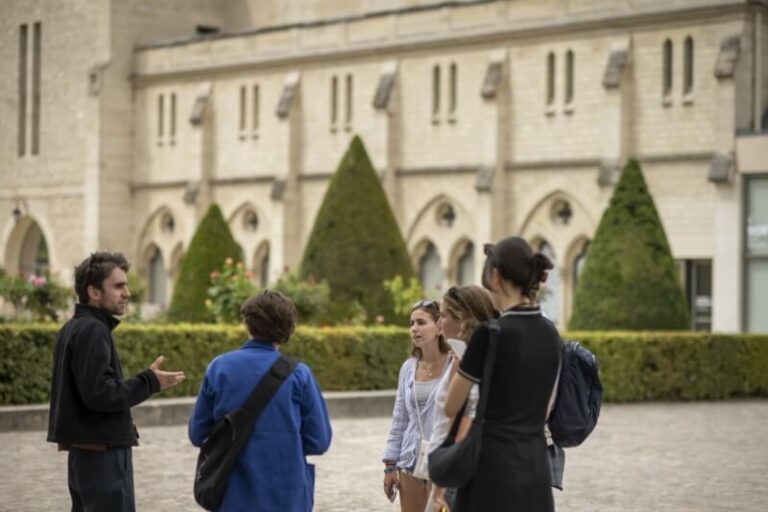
<point x="269" y="316"/>
<point x="94" y="269"/>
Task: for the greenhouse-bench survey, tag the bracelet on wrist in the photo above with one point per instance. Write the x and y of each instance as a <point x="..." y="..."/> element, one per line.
<point x="389" y="469"/>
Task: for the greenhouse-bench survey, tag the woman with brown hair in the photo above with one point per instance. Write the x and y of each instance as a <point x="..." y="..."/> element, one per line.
<point x="462" y="310"/>
<point x="512" y="472"/>
<point x="405" y="451"/>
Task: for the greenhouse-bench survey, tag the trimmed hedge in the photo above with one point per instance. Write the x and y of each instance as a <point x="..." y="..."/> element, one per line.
<point x="342" y="358"/>
<point x="634" y="365"/>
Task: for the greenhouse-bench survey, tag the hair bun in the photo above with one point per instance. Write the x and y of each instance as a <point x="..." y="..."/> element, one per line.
<point x="541" y="265"/>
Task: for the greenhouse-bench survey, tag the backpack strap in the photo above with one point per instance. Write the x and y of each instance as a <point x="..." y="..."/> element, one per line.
<point x="267" y="387"/>
<point x="553" y="396"/>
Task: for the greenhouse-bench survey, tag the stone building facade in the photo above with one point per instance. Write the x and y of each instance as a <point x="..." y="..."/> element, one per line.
<point x="122" y="121"/>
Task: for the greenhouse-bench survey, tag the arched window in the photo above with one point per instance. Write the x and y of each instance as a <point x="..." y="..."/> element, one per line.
<point x="157" y="278"/>
<point x="41" y="257"/>
<point x="430" y="270"/>
<point x="466" y="265"/>
<point x="569" y="77"/>
<point x="261" y="264"/>
<point x="34" y="252"/>
<point x="667" y="68"/>
<point x="550" y="78"/>
<point x="264" y="269"/>
<point x="549" y="296"/>
<point x="578" y="264"/>
<point x="688" y="66"/>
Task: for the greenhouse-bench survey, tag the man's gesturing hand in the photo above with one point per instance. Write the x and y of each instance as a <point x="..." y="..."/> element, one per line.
<point x="166" y="379"/>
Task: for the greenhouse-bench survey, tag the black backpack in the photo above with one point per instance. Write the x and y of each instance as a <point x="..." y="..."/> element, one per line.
<point x="579" y="396"/>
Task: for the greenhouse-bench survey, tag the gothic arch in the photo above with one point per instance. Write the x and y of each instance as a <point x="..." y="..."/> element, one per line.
<point x="431" y="206"/>
<point x="21" y="246"/>
<point x="151" y="232"/>
<point x="429" y="263"/>
<point x="580" y="212"/>
<point x="459" y="251"/>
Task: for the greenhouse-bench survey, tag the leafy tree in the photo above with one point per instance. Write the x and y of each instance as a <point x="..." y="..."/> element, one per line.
<point x="211" y="245"/>
<point x="404" y="294"/>
<point x="355" y="243"/>
<point x="630" y="278"/>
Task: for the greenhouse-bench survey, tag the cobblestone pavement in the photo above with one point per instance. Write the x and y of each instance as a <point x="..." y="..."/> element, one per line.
<point x="645" y="457"/>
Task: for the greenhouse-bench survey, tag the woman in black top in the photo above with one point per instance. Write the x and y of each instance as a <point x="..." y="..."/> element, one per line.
<point x="513" y="472"/>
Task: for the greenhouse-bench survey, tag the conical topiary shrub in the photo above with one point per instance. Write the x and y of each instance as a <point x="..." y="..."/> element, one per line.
<point x="630" y="278"/>
<point x="355" y="243"/>
<point x="211" y="244"/>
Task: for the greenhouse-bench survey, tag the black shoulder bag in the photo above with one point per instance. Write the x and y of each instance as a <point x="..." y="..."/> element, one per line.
<point x="223" y="445"/>
<point x="454" y="464"/>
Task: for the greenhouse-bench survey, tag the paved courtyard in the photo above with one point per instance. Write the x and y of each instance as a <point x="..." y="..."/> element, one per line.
<point x="706" y="456"/>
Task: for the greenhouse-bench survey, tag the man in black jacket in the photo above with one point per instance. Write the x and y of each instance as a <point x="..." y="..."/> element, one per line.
<point x="90" y="412"/>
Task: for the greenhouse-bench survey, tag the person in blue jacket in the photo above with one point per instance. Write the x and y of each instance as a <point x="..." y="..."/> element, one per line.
<point x="271" y="473"/>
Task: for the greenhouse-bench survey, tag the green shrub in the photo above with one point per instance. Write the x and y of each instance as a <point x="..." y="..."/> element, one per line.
<point x="678" y="365"/>
<point x="404" y="293"/>
<point x="211" y="245"/>
<point x="633" y="366"/>
<point x="229" y="288"/>
<point x="39" y="297"/>
<point x="342" y="358"/>
<point x="630" y="278"/>
<point x="313" y="302"/>
<point x="355" y="243"/>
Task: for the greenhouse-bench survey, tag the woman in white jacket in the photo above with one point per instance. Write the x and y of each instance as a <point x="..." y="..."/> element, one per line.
<point x="463" y="308"/>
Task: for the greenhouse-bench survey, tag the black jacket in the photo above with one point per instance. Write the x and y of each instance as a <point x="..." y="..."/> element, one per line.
<point x="90" y="400"/>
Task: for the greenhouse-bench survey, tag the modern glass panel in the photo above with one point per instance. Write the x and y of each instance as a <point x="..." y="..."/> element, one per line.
<point x="757" y="295"/>
<point x="757" y="216"/>
<point x="756" y="261"/>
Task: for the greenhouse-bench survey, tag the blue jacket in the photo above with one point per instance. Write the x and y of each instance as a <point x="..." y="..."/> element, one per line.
<point x="271" y="473"/>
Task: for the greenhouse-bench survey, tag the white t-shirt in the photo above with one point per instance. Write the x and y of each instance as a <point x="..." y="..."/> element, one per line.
<point x="442" y="424"/>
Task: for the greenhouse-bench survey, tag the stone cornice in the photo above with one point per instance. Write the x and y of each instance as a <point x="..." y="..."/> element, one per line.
<point x="11" y="193"/>
<point x="396" y="43"/>
<point x="242" y="180"/>
<point x="157" y="185"/>
<point x="437" y="169"/>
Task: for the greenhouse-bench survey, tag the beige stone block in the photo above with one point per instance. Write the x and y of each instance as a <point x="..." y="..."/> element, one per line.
<point x="520" y="11"/>
<point x="370" y="29"/>
<point x="422" y="22"/>
<point x="472" y="16"/>
<point x="277" y="40"/>
<point x="322" y="36"/>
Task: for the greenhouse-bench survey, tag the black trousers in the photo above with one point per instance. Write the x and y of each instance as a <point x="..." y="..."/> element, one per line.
<point x="101" y="481"/>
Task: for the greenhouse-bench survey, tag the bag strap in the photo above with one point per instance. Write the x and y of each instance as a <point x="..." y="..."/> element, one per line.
<point x="416" y="400"/>
<point x="490" y="359"/>
<point x="553" y="395"/>
<point x="267" y="387"/>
